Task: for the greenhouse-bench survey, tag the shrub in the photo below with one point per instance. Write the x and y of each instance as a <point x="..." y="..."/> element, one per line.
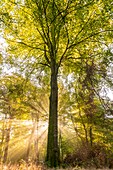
<point x="88" y="156"/>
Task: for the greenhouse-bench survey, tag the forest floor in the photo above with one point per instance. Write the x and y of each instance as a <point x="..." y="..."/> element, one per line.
<point x="34" y="167"/>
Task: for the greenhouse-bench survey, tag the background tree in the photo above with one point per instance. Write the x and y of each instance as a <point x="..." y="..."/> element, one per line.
<point x="18" y="103"/>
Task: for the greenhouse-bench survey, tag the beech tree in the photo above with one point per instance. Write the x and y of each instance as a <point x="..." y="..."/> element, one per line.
<point x="51" y="34"/>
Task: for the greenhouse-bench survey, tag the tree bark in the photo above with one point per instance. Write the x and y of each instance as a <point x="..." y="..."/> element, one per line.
<point x="53" y="154"/>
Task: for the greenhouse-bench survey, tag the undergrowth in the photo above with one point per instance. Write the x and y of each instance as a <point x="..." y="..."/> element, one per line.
<point x="31" y="166"/>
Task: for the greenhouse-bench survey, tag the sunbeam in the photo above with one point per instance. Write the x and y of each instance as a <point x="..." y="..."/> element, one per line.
<point x="26" y="138"/>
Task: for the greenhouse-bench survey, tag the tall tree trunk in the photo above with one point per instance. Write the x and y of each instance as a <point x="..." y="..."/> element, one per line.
<point x="52" y="144"/>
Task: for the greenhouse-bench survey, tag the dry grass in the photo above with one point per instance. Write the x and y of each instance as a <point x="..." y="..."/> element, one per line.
<point x="22" y="165"/>
<point x="31" y="166"/>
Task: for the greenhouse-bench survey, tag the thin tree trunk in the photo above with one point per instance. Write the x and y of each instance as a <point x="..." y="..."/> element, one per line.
<point x="84" y="126"/>
<point x="37" y="140"/>
<point x="7" y="139"/>
<point x="2" y="140"/>
<point x="52" y="145"/>
<point x="91" y="136"/>
<point x="29" y="143"/>
<point x="60" y="146"/>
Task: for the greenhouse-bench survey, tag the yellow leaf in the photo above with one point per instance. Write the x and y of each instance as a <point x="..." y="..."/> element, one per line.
<point x="18" y="100"/>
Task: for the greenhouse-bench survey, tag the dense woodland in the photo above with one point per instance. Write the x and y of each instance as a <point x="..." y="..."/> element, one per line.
<point x="56" y="81"/>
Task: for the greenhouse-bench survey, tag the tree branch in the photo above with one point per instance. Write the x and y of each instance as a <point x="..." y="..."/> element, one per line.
<point x="91" y="35"/>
